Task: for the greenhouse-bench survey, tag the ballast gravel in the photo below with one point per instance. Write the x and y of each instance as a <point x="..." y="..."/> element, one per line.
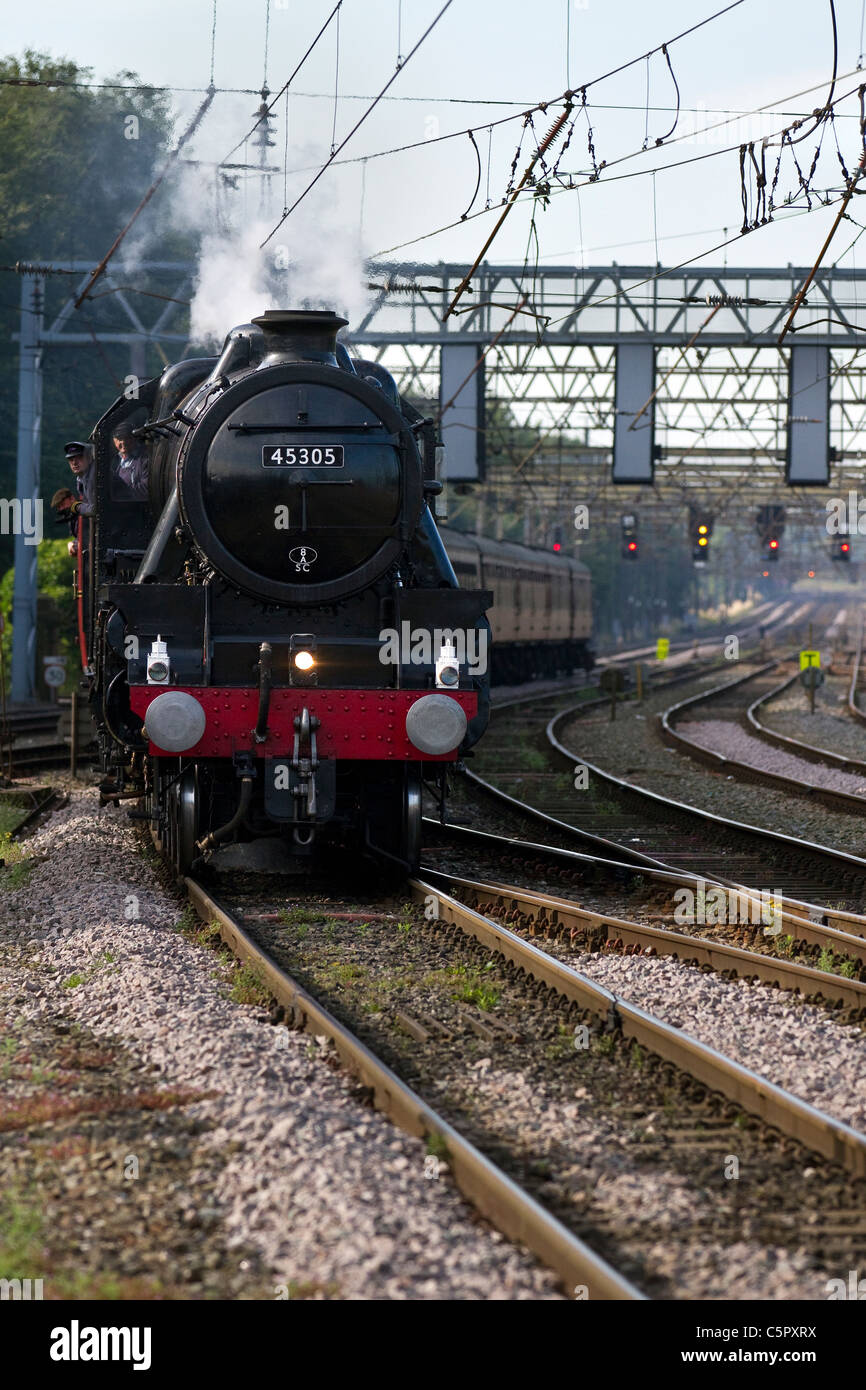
<point x="631" y="749"/>
<point x="831" y="726"/>
<point x="771" y="1032"/>
<point x="725" y="737"/>
<point x="334" y="1199"/>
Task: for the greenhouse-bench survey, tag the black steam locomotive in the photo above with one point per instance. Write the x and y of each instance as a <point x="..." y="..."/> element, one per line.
<point x="275" y="639"/>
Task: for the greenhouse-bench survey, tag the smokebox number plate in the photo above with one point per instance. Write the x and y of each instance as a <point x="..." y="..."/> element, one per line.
<point x="302" y="455"/>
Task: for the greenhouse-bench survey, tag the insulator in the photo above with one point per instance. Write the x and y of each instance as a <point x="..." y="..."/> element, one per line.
<point x="733" y="301"/>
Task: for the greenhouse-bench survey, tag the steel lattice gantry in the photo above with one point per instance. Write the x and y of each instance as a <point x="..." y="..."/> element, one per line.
<point x="722" y="415"/>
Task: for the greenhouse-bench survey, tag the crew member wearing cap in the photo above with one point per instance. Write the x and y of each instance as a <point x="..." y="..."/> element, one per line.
<point x="131" y="466"/>
<point x="80" y="459"/>
<point x="78" y="502"/>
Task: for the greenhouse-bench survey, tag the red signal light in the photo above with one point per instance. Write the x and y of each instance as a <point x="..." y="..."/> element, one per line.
<point x="632" y="545"/>
<point x="811" y="574"/>
<point x="765" y="574"/>
<point x="556" y="545"/>
<point x="844" y="547"/>
<point x="774" y="545"/>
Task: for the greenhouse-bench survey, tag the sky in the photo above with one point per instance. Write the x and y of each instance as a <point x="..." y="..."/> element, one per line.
<point x="486" y="59"/>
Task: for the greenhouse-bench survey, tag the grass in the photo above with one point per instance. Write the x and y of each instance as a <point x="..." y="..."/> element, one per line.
<point x="17" y="867"/>
<point x="474" y="989"/>
<point x="248" y="987"/>
<point x="301" y="916"/>
<point x="836" y="965"/>
<point x="25" y="1254"/>
<point x="8" y="1048"/>
<point x="10" y="818"/>
<point x="562" y="1046"/>
<point x="80" y="977"/>
<point x="437" y="1147"/>
<point x="23" y="1228"/>
<point x="605" y="1044"/>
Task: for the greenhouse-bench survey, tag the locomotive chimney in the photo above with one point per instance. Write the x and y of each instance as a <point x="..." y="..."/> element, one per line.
<point x="300" y="335"/>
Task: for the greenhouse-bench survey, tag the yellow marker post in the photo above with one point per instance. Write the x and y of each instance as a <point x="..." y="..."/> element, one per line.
<point x="663" y="646"/>
<point x="811" y="661"/>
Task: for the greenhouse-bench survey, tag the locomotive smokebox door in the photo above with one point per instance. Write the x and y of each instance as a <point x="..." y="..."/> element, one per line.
<point x="282" y="785"/>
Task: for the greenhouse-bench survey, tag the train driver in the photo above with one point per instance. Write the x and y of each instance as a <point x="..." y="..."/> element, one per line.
<point x="130" y="471"/>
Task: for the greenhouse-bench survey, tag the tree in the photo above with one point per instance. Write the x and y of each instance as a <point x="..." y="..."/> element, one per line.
<point x="70" y="175"/>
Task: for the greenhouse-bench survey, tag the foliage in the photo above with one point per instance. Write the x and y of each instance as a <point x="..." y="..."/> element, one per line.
<point x="57" y="622"/>
<point x="69" y="181"/>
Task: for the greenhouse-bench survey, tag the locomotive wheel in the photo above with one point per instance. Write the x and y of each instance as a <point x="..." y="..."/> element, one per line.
<point x="182" y="807"/>
<point x="392" y="816"/>
<point x="412" y="820"/>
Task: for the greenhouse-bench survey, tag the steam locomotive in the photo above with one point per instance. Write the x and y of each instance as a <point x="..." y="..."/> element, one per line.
<point x="276" y="641"/>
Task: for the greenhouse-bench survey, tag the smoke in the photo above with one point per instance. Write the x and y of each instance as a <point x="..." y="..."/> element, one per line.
<point x="305" y="266"/>
<point x="233" y="284"/>
<point x="314" y="261"/>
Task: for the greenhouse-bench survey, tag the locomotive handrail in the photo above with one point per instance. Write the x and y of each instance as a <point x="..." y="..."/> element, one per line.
<point x="383" y="438"/>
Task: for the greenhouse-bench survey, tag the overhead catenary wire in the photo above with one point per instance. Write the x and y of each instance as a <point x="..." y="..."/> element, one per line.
<point x="336" y="85"/>
<point x="267" y="41"/>
<point x="849" y="193"/>
<point x="301" y="196"/>
<point x="187" y="135"/>
<point x="269" y="108"/>
<point x="608" y="179"/>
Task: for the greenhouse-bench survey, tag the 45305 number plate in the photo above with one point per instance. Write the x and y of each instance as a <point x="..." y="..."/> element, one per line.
<point x="302" y="455"/>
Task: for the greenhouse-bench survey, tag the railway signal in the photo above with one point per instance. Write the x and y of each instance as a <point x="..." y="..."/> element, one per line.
<point x="842" y="550"/>
<point x="770" y="525"/>
<point x="700" y="531"/>
<point x="628" y="542"/>
<point x="557" y="540"/>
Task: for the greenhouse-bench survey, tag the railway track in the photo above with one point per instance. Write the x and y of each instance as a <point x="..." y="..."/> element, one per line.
<point x="610" y="814"/>
<point x="689" y="848"/>
<point x="35" y="738"/>
<point x="533" y="1192"/>
<point x="20" y="807"/>
<point x="501" y="1200"/>
<point x="724" y="703"/>
<point x="556" y="916"/>
<point x="810" y="752"/>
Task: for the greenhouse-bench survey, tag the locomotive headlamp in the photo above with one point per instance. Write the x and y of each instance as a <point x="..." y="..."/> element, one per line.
<point x="158" y="666"/>
<point x="447" y="667"/>
<point x="436" y="724"/>
<point x="302" y="659"/>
